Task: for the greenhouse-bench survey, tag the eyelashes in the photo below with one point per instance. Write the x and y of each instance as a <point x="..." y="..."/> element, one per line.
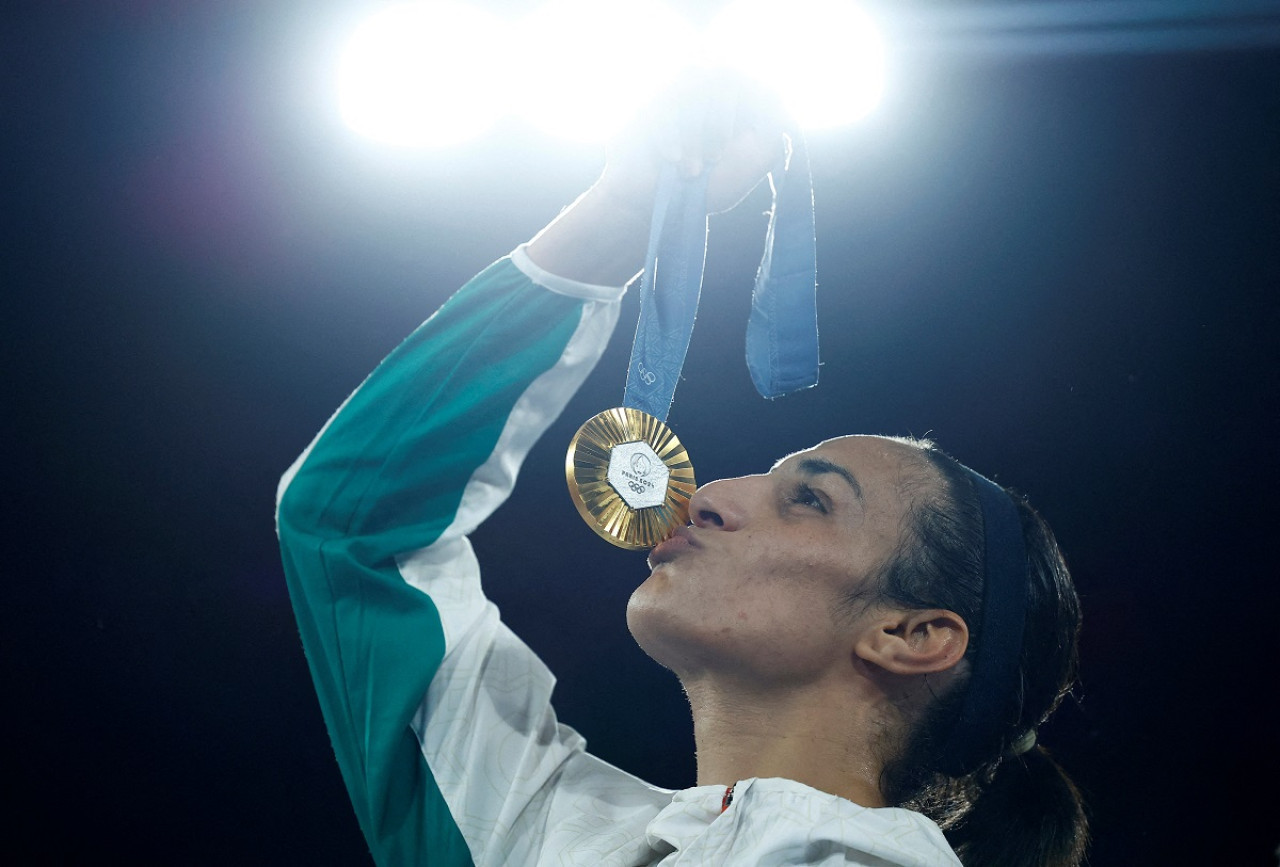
<point x="803" y="495"/>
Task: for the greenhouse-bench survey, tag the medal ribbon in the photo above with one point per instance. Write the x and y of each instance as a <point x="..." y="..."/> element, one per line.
<point x="782" y="329"/>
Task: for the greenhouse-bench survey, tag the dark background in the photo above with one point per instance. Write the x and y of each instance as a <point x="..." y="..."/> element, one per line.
<point x="1062" y="266"/>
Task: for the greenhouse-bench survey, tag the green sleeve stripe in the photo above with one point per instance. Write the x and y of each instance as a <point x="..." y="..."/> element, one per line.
<point x="386" y="477"/>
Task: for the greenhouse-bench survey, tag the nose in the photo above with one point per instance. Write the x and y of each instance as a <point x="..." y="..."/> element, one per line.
<point x="721" y="504"/>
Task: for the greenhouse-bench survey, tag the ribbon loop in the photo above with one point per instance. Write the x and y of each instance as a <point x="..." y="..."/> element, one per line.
<point x="782" y="329"/>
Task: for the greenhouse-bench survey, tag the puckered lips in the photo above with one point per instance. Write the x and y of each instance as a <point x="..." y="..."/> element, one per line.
<point x="679" y="541"/>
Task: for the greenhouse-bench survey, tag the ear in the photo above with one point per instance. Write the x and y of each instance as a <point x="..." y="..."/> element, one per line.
<point x="914" y="641"/>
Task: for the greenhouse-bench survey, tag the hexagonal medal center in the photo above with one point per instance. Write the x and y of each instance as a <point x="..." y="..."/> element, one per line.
<point x="638" y="475"/>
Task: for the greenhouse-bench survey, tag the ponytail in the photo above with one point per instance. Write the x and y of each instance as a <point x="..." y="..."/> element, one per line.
<point x="1029" y="812"/>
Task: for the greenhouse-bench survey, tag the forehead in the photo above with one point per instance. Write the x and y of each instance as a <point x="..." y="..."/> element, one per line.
<point x="883" y="468"/>
<point x="871" y="453"/>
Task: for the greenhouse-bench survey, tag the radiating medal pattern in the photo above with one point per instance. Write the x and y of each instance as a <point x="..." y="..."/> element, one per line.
<point x="630" y="477"/>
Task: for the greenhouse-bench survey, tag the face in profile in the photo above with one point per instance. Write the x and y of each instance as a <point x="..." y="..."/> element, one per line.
<point x="758" y="585"/>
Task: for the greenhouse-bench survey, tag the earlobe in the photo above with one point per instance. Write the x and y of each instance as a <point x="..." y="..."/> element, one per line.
<point x="916" y="641"/>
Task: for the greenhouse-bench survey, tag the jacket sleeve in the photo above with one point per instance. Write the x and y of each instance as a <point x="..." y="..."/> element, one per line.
<point x="372" y="521"/>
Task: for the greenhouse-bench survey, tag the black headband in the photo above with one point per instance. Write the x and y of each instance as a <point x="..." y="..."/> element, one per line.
<point x="1004" y="610"/>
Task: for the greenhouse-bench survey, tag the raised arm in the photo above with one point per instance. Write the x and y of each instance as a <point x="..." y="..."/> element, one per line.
<point x="439" y="717"/>
<point x="713" y="122"/>
<point x="425" y="449"/>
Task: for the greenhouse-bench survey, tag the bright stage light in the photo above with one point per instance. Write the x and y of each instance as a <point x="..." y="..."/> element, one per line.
<point x="588" y="65"/>
<point x="440" y="72"/>
<point x="825" y="57"/>
<point x="428" y="73"/>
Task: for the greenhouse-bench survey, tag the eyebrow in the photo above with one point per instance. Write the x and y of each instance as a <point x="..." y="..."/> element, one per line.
<point x="821" y="466"/>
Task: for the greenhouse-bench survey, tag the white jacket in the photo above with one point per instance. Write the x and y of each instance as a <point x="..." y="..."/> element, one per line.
<point x="440" y="716"/>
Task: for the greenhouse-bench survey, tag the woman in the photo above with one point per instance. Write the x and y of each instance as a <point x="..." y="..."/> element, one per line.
<point x="869" y="633"/>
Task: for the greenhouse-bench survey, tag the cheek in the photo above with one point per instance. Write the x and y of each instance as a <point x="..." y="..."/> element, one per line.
<point x="676" y="625"/>
<point x="772" y="627"/>
<point x="812" y="568"/>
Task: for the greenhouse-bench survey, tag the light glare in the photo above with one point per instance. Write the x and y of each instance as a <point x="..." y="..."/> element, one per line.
<point x="825" y="57"/>
<point x="438" y="72"/>
<point x="426" y="73"/>
<point x="590" y="65"/>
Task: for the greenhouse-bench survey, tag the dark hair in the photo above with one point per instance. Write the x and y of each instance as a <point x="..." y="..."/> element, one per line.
<point x="1004" y="808"/>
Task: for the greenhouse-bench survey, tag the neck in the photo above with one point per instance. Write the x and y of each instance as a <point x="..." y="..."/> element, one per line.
<point x="798" y="734"/>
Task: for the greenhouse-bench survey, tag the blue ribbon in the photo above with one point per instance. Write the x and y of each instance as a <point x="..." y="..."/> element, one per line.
<point x="782" y="330"/>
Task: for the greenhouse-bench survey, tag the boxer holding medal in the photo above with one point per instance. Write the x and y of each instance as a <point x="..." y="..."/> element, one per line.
<point x="628" y="473"/>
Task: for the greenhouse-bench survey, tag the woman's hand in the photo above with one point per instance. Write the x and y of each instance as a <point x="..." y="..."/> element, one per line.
<point x="709" y="121"/>
<point x="715" y="121"/>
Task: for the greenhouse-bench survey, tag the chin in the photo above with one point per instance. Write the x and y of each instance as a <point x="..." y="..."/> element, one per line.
<point x="666" y="636"/>
<point x="652" y="626"/>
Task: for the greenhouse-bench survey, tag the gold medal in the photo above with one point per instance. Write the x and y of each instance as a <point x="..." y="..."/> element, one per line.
<point x="630" y="478"/>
